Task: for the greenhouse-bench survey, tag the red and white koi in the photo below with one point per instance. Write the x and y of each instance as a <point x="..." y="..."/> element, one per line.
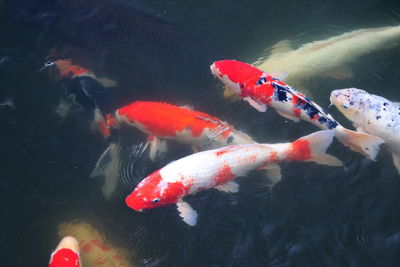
<point x="218" y="168"/>
<point x="263" y="90"/>
<point x="371" y="114"/>
<point x="166" y="121"/>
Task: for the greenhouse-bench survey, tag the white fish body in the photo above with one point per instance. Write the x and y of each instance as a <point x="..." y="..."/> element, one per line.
<point x="219" y="167"/>
<point x="327" y="57"/>
<point x="371" y="114"/>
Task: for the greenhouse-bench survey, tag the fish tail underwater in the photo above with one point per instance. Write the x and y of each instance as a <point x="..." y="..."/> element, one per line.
<point x="313" y="148"/>
<point x="70" y="158"/>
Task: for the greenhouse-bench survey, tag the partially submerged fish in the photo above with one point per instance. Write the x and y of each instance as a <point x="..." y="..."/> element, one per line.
<point x="66" y="253"/>
<point x="218" y="168"/>
<point x="66" y="69"/>
<point x="183" y="124"/>
<point x="262" y="90"/>
<point x="371" y="114"/>
<point x="84" y="91"/>
<point x="328" y="57"/>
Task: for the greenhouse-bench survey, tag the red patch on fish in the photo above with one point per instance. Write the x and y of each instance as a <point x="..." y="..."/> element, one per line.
<point x="223" y="151"/>
<point x="166" y="120"/>
<point x="262" y="93"/>
<point x="151" y="188"/>
<point x="296" y="110"/>
<point x="273" y="157"/>
<point x="300" y="151"/>
<point x="110" y="121"/>
<point x="66" y="69"/>
<point x="224" y="175"/>
<point x="64" y="257"/>
<point x="237" y="72"/>
<point x="175" y="191"/>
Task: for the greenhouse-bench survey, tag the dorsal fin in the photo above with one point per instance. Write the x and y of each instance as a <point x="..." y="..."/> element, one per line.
<point x="280" y="48"/>
<point x="209" y="119"/>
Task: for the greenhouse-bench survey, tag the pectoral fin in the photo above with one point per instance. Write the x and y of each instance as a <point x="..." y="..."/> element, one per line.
<point x="187" y="213"/>
<point x="107" y="82"/>
<point x="157" y="147"/>
<point x="255" y="104"/>
<point x="281" y="47"/>
<point x="289" y="116"/>
<point x="229" y="187"/>
<point x="229" y="94"/>
<point x="273" y="172"/>
<point x="396" y="161"/>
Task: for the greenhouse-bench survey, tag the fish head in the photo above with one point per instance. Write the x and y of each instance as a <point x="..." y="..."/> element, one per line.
<point x="154" y="192"/>
<point x="234" y="74"/>
<point x="348" y="101"/>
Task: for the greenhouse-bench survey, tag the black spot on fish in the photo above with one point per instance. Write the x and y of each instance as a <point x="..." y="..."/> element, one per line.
<point x="378" y="117"/>
<point x="280" y="93"/>
<point x="368" y="122"/>
<point x="230" y="139"/>
<point x="366" y="148"/>
<point x="312" y="111"/>
<point x="351" y="103"/>
<point x="384" y="108"/>
<point x="385" y="104"/>
<point x="389" y="125"/>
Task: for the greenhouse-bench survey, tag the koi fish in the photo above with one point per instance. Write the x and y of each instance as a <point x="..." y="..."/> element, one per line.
<point x="66" y="70"/>
<point x="261" y="90"/>
<point x="161" y="122"/>
<point x="315" y="58"/>
<point x="84" y="91"/>
<point x="371" y="114"/>
<point x="66" y="254"/>
<point x="219" y="167"/>
<point x="165" y="121"/>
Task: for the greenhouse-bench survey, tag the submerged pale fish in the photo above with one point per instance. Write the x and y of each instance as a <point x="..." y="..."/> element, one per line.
<point x="327" y="57"/>
<point x="371" y="114"/>
<point x="218" y="168"/>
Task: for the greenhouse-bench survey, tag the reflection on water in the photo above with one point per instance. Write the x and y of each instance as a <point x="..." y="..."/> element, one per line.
<point x="161" y="51"/>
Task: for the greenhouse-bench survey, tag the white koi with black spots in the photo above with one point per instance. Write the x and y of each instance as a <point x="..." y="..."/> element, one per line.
<point x="371" y="114"/>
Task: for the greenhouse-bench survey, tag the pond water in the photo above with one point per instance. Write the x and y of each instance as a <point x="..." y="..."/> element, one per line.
<point x="161" y="51"/>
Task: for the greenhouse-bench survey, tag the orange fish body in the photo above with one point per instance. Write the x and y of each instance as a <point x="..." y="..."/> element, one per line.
<point x="166" y="121"/>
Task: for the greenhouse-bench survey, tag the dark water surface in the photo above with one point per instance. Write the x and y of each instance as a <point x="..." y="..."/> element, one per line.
<point x="161" y="50"/>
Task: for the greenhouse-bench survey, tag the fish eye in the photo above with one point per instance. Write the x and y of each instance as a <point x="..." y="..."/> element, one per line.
<point x="155" y="200"/>
<point x="48" y="63"/>
<point x="345" y="106"/>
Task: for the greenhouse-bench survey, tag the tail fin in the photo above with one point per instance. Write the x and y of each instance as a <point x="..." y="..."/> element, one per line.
<point x="312" y="148"/>
<point x="364" y="143"/>
<point x="116" y="164"/>
<point x="107" y="165"/>
<point x="103" y="124"/>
